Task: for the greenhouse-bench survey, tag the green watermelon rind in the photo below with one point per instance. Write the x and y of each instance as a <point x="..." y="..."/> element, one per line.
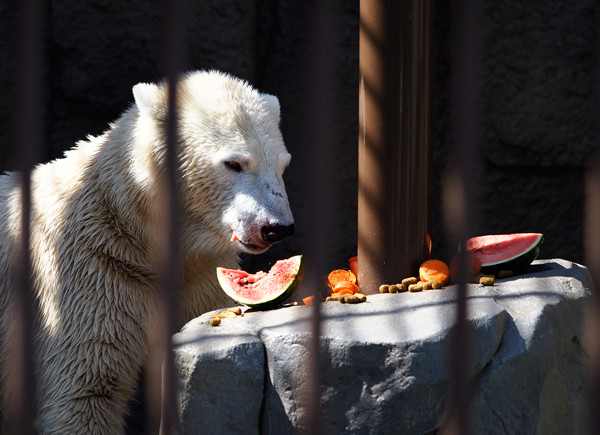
<point x="269" y="301"/>
<point x="516" y="263"/>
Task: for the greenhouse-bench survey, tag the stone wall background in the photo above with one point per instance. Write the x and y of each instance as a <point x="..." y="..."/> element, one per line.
<point x="537" y="83"/>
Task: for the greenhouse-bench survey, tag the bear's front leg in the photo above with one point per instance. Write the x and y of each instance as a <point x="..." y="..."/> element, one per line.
<point x="85" y="388"/>
<point x="87" y="366"/>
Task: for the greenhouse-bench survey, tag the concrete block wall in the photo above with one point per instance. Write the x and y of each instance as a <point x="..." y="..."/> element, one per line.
<point x="536" y="123"/>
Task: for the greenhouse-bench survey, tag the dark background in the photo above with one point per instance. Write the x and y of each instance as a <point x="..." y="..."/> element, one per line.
<point x="537" y="81"/>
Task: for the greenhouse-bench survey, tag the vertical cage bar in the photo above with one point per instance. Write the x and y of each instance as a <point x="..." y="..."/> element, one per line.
<point x="458" y="198"/>
<point x="592" y="256"/>
<point x="395" y="134"/>
<point x="28" y="138"/>
<point x="592" y="246"/>
<point x="321" y="14"/>
<point x="162" y="394"/>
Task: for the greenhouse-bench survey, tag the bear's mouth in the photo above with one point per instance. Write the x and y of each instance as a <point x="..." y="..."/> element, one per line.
<point x="249" y="248"/>
<point x="252" y="248"/>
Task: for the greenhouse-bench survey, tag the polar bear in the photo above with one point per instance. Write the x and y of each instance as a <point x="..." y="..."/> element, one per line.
<point x="92" y="235"/>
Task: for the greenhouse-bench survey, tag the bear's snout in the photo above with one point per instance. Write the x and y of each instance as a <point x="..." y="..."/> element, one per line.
<point x="274" y="233"/>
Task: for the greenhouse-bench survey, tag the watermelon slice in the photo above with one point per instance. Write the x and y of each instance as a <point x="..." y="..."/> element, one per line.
<point x="263" y="290"/>
<point x="506" y="251"/>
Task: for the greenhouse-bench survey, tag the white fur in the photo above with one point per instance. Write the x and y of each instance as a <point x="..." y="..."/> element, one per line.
<point x="94" y="234"/>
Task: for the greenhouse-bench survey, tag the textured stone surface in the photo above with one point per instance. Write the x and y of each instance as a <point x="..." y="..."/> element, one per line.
<point x="209" y="369"/>
<point x="536" y="127"/>
<point x="537" y="98"/>
<point x="385" y="363"/>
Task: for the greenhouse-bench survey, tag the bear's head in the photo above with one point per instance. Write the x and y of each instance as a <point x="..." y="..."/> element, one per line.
<point x="231" y="156"/>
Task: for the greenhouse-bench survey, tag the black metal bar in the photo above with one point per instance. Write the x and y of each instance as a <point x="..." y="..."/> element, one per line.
<point x="395" y="139"/>
<point x="321" y="15"/>
<point x="162" y="394"/>
<point x="458" y="196"/>
<point x="28" y="138"/>
<point x="592" y="256"/>
<point x="592" y="248"/>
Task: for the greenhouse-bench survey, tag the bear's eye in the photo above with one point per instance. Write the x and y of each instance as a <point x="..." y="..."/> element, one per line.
<point x="233" y="166"/>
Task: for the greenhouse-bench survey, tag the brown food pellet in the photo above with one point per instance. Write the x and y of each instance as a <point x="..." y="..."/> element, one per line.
<point x="352" y="299"/>
<point x="486" y="280"/>
<point x="410" y="280"/>
<point x="393" y="288"/>
<point x="427" y="285"/>
<point x="436" y="285"/>
<point x="415" y="287"/>
<point x="363" y="298"/>
<point x="215" y="321"/>
<point x="384" y="288"/>
<point x="402" y="287"/>
<point x="505" y="274"/>
<point x="235" y="310"/>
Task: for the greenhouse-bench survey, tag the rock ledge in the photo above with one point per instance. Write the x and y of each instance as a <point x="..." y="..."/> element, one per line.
<point x="385" y="363"/>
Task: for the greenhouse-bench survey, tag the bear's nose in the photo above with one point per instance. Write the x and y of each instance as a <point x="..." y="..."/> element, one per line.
<point x="274" y="233"/>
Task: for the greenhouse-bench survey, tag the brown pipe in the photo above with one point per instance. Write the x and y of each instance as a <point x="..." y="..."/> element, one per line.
<point x="395" y="135"/>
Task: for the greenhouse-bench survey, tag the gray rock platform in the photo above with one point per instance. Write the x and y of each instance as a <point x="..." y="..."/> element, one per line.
<point x="385" y="363"/>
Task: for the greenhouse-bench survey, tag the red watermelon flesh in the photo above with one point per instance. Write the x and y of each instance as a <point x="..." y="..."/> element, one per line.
<point x="262" y="289"/>
<point x="506" y="251"/>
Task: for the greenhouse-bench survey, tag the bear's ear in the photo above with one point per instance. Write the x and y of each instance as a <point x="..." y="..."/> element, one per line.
<point x="273" y="103"/>
<point x="149" y="99"/>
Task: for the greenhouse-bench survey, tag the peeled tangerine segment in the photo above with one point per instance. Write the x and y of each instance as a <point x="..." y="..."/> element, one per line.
<point x="506" y="251"/>
<point x="263" y="290"/>
<point x="434" y="270"/>
<point x="346" y="287"/>
<point x="340" y="275"/>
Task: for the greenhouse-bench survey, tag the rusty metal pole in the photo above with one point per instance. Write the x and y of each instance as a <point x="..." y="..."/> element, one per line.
<point x="395" y="139"/>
